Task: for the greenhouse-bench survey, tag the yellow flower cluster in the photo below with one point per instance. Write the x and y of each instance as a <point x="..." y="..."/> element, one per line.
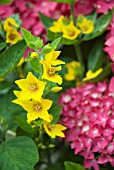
<point x="70" y="31"/>
<point x="71" y="70"/>
<point x="49" y="69"/>
<point x="12" y="35"/>
<point x="31" y="95"/>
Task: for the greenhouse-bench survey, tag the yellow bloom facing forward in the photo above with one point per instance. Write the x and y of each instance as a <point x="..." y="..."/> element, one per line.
<point x="86" y="26"/>
<point x="31" y="87"/>
<point x="91" y="75"/>
<point x="13" y="36"/>
<point x="57" y="25"/>
<point x="71" y="69"/>
<point x="9" y="23"/>
<point x="70" y="31"/>
<point x="51" y="58"/>
<point x="54" y="130"/>
<point x="49" y="72"/>
<point x="36" y="109"/>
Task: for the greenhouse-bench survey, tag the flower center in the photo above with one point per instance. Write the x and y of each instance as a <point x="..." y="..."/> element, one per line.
<point x="11" y="36"/>
<point x="71" y="33"/>
<point x="51" y="71"/>
<point x="37" y="107"/>
<point x="33" y="87"/>
<point x="49" y="127"/>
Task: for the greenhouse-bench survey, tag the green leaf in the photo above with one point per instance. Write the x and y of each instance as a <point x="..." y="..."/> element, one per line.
<point x="19" y="153"/>
<point x="95" y="58"/>
<point x="100" y="26"/>
<point x="65" y="1"/>
<point x="49" y="47"/>
<point x="10" y="57"/>
<point x="47" y="21"/>
<point x="5" y="1"/>
<point x="9" y="109"/>
<point x="35" y="63"/>
<point x="55" y="112"/>
<point x="22" y="122"/>
<point x="73" y="166"/>
<point x="2" y="45"/>
<point x="33" y="42"/>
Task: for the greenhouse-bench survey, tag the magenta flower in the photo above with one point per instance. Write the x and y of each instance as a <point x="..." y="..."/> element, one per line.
<point x="102" y="6"/>
<point x="88" y="112"/>
<point x="84" y="7"/>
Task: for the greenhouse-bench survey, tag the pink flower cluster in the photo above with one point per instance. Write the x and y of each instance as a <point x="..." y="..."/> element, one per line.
<point x="109" y="49"/>
<point x="88" y="112"/>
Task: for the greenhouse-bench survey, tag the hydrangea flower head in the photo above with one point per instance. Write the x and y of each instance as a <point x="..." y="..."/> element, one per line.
<point x="88" y="114"/>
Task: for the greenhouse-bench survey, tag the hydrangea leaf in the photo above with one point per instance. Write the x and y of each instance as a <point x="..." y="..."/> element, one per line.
<point x="5" y="1"/>
<point x="18" y="153"/>
<point x="100" y="26"/>
<point x="72" y="166"/>
<point x="10" y="57"/>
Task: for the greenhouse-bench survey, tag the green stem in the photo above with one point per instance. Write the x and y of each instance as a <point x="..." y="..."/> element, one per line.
<point x="79" y="55"/>
<point x="72" y="12"/>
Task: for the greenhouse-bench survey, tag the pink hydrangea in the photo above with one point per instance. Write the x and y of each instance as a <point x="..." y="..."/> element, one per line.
<point x="102" y="6"/>
<point x="88" y="112"/>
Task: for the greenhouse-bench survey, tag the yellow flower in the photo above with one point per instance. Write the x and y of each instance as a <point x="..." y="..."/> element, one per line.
<point x="36" y="109"/>
<point x="21" y="62"/>
<point x="9" y="22"/>
<point x="71" y="68"/>
<point x="70" y="31"/>
<point x="51" y="58"/>
<point x="57" y="25"/>
<point x="49" y="72"/>
<point x="56" y="89"/>
<point x="31" y="87"/>
<point x="34" y="55"/>
<point x="86" y="26"/>
<point x="54" y="130"/>
<point x="91" y="75"/>
<point x="12" y="36"/>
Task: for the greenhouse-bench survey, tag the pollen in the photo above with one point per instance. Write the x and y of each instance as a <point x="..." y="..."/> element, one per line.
<point x="71" y="33"/>
<point x="51" y="71"/>
<point x="37" y="107"/>
<point x="11" y="36"/>
<point x="33" y="87"/>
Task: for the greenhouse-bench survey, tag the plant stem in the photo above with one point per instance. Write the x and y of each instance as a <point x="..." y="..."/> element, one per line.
<point x="72" y="12"/>
<point x="79" y="55"/>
